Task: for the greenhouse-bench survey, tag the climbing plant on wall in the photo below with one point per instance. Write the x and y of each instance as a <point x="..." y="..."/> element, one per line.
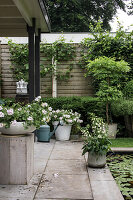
<point x="57" y="52"/>
<point x="19" y="60"/>
<point x="103" y="43"/>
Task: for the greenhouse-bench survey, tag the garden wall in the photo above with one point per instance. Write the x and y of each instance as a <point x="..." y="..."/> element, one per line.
<point x="77" y="84"/>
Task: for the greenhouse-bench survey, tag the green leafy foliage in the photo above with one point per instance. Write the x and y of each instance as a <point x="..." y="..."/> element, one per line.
<point x="82" y="105"/>
<point x="108" y="73"/>
<point x="58" y="52"/>
<point x="54" y="53"/>
<point x="76" y="15"/>
<point x="37" y="113"/>
<point x="19" y="60"/>
<point x="121" y="167"/>
<point x="102" y="43"/>
<point x="95" y="136"/>
<point x="122" y="142"/>
<point x="122" y="107"/>
<point x="128" y="89"/>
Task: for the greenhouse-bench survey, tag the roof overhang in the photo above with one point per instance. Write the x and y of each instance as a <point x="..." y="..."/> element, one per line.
<point x="15" y="15"/>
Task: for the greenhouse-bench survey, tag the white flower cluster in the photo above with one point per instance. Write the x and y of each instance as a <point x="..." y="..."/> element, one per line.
<point x="67" y="116"/>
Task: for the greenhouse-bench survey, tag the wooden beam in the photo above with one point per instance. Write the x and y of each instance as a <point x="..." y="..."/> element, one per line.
<point x="6" y="2"/>
<point x="9" y="11"/>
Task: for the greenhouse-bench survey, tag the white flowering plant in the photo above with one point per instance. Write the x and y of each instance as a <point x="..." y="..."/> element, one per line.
<point x="66" y="116"/>
<point x="95" y="136"/>
<point x="36" y="113"/>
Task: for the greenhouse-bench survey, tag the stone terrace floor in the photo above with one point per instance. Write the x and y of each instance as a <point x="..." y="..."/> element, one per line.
<point x="60" y="173"/>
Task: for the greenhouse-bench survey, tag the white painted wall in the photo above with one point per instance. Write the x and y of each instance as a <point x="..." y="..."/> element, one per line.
<point x="50" y="38"/>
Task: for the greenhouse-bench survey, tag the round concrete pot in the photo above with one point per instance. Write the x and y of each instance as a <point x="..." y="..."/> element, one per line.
<point x="96" y="160"/>
<point x="17" y="129"/>
<point x="62" y="133"/>
<point x="112" y="130"/>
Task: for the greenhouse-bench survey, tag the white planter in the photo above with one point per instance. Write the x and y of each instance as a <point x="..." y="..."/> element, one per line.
<point x="96" y="160"/>
<point x="112" y="130"/>
<point x="17" y="129"/>
<point x="62" y="133"/>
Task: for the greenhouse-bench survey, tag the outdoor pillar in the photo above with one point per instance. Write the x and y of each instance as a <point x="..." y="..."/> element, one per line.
<point x="0" y="68"/>
<point x="37" y="64"/>
<point x="31" y="37"/>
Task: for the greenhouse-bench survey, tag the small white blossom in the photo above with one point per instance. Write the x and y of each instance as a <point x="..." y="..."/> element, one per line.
<point x="1" y="108"/>
<point x="1" y="125"/>
<point x="50" y="109"/>
<point x="1" y="114"/>
<point x="30" y="118"/>
<point x="38" y="98"/>
<point x="44" y="112"/>
<point x="14" y="122"/>
<point x="44" y="104"/>
<point x="44" y="119"/>
<point x="10" y="111"/>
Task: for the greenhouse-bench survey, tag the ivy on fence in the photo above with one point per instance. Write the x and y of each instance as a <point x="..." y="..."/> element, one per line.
<point x="57" y="52"/>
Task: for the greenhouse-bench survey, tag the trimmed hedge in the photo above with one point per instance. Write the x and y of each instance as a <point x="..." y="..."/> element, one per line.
<point x="82" y="105"/>
<point x="122" y="107"/>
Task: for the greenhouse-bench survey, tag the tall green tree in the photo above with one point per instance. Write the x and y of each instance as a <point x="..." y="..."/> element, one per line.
<point x="76" y="15"/>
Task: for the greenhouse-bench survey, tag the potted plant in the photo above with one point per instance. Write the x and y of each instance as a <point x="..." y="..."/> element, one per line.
<point x="68" y="118"/>
<point x="96" y="142"/>
<point x="124" y="107"/>
<point x="18" y="119"/>
<point x="107" y="74"/>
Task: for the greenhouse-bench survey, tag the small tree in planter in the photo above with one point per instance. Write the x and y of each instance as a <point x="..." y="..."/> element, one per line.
<point x="108" y="74"/>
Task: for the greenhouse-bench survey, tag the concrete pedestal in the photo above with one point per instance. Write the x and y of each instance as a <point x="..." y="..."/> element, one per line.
<point x="16" y="159"/>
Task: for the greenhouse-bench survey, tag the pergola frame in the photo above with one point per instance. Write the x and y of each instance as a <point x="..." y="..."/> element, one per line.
<point x="26" y="18"/>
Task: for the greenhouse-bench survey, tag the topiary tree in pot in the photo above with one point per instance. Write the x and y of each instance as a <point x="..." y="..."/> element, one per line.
<point x="108" y="74"/>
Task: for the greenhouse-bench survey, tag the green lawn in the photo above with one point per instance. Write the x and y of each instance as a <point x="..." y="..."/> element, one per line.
<point x="122" y="142"/>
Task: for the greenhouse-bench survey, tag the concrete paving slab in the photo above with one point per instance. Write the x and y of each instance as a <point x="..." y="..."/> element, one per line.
<point x="106" y="190"/>
<point x="66" y="167"/>
<point x="122" y="149"/>
<point x="39" y="165"/>
<point x="102" y="174"/>
<point x="42" y="150"/>
<point x="68" y="144"/>
<point x="17" y="191"/>
<point x="16" y="198"/>
<point x="66" y="155"/>
<point x="65" y="186"/>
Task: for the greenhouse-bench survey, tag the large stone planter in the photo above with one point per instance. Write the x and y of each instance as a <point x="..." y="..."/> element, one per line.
<point x="62" y="133"/>
<point x="16" y="159"/>
<point x="112" y="130"/>
<point x="17" y="129"/>
<point x="96" y="160"/>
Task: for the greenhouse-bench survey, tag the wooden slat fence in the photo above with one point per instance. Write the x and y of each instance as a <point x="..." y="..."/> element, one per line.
<point x="77" y="85"/>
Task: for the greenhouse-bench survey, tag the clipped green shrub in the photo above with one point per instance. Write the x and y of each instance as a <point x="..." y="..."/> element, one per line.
<point x="122" y="107"/>
<point x="128" y="89"/>
<point x="82" y="105"/>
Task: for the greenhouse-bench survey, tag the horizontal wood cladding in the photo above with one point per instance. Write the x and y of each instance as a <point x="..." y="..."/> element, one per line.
<point x="76" y="85"/>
